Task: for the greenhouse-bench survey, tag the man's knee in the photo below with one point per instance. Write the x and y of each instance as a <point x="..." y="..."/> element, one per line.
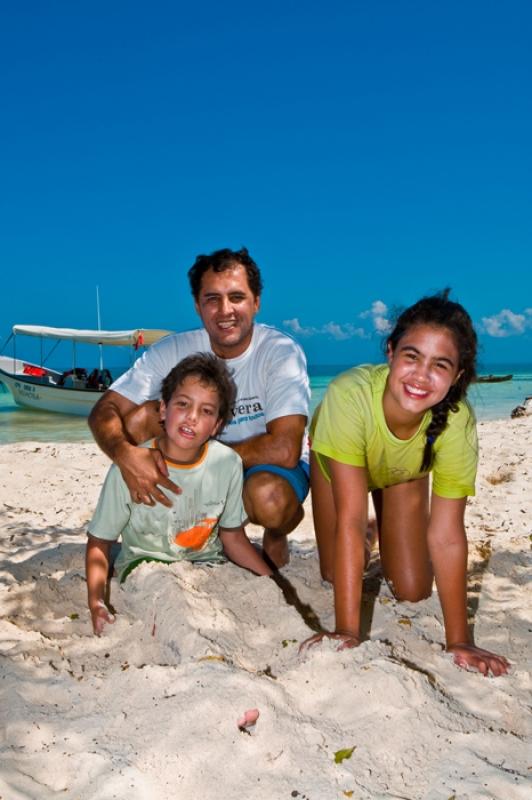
<point x="269" y="500"/>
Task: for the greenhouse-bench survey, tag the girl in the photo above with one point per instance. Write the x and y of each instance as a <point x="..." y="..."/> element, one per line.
<point x="383" y="429"/>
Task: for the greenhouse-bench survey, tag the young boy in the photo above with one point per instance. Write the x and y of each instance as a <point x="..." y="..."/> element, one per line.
<point x="206" y="519"/>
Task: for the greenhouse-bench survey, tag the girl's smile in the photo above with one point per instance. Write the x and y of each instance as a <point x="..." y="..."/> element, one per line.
<point x="423" y="367"/>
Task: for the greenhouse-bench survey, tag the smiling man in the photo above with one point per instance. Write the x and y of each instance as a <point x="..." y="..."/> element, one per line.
<point x="267" y="428"/>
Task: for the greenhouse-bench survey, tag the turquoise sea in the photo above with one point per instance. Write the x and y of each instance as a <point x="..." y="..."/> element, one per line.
<point x="490" y="400"/>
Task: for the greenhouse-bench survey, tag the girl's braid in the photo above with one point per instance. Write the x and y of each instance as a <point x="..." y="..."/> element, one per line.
<point x="437" y="425"/>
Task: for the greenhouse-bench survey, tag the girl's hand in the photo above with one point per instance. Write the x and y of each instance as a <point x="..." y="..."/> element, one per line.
<point x="100" y="615"/>
<point x="347" y="640"/>
<point x="468" y="655"/>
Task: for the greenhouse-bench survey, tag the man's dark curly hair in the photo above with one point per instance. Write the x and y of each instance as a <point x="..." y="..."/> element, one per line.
<point x="221" y="260"/>
<point x="211" y="371"/>
<point x="440" y="312"/>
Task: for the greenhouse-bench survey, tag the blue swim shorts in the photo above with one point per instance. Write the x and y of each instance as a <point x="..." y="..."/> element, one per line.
<point x="298" y="477"/>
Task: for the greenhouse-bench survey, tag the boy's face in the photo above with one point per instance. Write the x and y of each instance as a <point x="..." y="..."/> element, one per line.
<point x="191" y="417"/>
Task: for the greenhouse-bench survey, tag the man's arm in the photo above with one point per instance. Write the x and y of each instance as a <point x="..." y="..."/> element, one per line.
<point x="143" y="469"/>
<point x="280" y="445"/>
<point x="106" y="422"/>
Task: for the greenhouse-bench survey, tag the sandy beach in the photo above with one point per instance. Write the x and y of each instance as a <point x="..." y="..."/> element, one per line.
<point x="150" y="709"/>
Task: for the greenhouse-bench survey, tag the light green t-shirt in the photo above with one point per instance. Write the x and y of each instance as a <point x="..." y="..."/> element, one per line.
<point x="211" y="497"/>
<point x="349" y="427"/>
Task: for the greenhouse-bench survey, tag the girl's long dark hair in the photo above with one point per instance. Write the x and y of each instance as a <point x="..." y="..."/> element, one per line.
<point x="437" y="310"/>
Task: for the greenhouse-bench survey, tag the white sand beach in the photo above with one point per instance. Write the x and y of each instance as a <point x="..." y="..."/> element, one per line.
<point x="150" y="709"/>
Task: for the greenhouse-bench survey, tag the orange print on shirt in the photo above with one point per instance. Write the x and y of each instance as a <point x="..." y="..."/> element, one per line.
<point x="196" y="537"/>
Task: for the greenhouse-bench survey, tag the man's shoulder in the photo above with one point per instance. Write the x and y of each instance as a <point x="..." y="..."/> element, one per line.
<point x="268" y="337"/>
<point x="184" y="340"/>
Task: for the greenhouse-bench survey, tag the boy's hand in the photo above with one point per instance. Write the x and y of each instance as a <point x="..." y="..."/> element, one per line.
<point x="100" y="615"/>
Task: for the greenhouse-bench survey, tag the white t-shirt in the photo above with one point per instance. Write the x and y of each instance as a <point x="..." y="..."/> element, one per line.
<point x="271" y="378"/>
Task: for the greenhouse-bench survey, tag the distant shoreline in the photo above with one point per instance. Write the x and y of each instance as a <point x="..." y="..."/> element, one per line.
<point x="491" y="401"/>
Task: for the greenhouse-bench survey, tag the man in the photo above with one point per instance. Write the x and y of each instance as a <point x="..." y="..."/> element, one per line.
<point x="267" y="429"/>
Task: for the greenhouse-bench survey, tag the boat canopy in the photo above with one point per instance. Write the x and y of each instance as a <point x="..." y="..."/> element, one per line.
<point x="135" y="338"/>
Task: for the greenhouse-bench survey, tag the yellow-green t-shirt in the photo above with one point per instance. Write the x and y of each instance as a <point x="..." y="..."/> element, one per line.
<point x="349" y="427"/>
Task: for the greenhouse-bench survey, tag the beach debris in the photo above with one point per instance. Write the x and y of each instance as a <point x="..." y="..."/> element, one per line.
<point x="524" y="409"/>
<point x="212" y="658"/>
<point x="248" y="720"/>
<point x="342" y="755"/>
<point x="268" y="672"/>
<point x="503" y="474"/>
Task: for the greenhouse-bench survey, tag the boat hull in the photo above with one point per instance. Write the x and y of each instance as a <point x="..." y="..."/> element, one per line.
<point x="43" y="397"/>
<point x="493" y="378"/>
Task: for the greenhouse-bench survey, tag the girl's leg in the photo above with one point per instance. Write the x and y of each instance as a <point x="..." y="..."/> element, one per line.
<point x="403" y="517"/>
<point x="324" y="514"/>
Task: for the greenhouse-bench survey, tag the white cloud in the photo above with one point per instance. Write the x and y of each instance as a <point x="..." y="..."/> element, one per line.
<point x="378" y="313"/>
<point x="295" y="326"/>
<point x="338" y="331"/>
<point x="505" y="323"/>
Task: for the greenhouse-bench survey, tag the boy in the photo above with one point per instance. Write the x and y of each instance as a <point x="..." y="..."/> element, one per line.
<point x="206" y="518"/>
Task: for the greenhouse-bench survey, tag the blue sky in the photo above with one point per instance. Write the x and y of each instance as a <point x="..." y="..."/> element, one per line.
<point x="365" y="152"/>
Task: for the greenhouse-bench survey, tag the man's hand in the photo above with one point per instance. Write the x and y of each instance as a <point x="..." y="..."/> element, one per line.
<point x="144" y="470"/>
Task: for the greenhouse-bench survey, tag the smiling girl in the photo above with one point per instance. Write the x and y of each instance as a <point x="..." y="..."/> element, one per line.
<point x="384" y="429"/>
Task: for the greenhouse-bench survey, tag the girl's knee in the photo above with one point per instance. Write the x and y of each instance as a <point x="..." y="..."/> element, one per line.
<point x="327" y="575"/>
<point x="410" y="592"/>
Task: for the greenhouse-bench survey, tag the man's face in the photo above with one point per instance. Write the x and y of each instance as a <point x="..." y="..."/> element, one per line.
<point x="227" y="307"/>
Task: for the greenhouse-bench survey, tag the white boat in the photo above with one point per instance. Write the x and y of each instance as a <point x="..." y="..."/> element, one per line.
<point x="74" y="391"/>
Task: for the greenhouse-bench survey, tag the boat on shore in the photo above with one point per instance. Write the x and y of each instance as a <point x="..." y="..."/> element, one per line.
<point x="73" y="391"/>
<point x="493" y="378"/>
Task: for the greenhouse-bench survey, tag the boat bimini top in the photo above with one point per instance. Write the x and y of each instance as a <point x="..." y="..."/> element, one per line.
<point x="139" y="337"/>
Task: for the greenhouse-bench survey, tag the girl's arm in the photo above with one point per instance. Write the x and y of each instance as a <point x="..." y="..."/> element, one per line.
<point x="239" y="549"/>
<point x="97" y="569"/>
<point x="448" y="551"/>
<point x="350" y="492"/>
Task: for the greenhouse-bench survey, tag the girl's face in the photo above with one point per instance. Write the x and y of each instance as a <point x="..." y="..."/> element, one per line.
<point x="423" y="367"/>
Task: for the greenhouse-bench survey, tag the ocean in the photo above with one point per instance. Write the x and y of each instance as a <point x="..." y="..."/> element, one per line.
<point x="490" y="401"/>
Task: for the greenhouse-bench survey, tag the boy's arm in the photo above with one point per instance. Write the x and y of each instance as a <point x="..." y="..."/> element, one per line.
<point x="239" y="549"/>
<point x="97" y="568"/>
